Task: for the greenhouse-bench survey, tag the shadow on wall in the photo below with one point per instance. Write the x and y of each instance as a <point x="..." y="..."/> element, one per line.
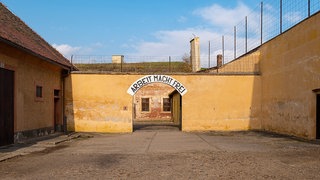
<point x="255" y="109"/>
<point x="68" y="105"/>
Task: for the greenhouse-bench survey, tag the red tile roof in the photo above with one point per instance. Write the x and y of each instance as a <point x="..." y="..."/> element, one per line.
<point x="15" y="32"/>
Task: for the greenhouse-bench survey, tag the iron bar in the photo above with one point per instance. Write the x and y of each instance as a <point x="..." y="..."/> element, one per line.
<point x="280" y="16"/>
<point x="235" y="42"/>
<point x="209" y="55"/>
<point x="261" y="24"/>
<point x="309" y="8"/>
<point x="169" y="63"/>
<point x="246" y="45"/>
<point x="222" y="50"/>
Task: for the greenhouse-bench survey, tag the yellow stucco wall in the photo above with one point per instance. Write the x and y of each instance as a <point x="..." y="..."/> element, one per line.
<point x="100" y="103"/>
<point x="280" y="99"/>
<point x="245" y="64"/>
<point x="31" y="113"/>
<point x="221" y="103"/>
<point x="290" y="68"/>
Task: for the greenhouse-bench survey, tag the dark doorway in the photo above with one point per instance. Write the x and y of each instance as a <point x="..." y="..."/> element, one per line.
<point x="57" y="122"/>
<point x="318" y="118"/>
<point x="6" y="107"/>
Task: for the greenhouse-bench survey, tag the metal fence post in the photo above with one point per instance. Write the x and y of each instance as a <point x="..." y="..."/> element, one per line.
<point x="246" y="28"/>
<point x="309" y="8"/>
<point x="235" y="42"/>
<point x="169" y="63"/>
<point x="280" y="16"/>
<point x="261" y="23"/>
<point x="209" y="56"/>
<point x="121" y="66"/>
<point x="222" y="50"/>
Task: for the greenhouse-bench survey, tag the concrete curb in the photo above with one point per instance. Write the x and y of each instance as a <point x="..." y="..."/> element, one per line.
<point x="36" y="145"/>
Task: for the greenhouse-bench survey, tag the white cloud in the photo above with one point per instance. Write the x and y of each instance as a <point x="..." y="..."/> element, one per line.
<point x="67" y="50"/>
<point x="176" y="42"/>
<point x="173" y="43"/>
<point x="224" y="18"/>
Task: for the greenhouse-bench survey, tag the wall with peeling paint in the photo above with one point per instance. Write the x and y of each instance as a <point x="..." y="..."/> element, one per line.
<point x="224" y="102"/>
<point x="32" y="116"/>
<point x="280" y="99"/>
<point x="290" y="69"/>
<point x="155" y="92"/>
<point x="100" y="102"/>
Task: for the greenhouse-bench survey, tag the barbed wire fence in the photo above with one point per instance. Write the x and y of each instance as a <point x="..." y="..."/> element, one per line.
<point x="267" y="20"/>
<point x="130" y="63"/>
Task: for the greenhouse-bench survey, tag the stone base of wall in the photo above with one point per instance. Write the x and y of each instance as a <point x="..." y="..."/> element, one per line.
<point x="24" y="135"/>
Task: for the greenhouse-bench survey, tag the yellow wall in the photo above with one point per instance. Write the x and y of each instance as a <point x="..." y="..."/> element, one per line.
<point x="31" y="113"/>
<point x="290" y="68"/>
<point x="279" y="100"/>
<point x="221" y="102"/>
<point x="246" y="64"/>
<point x="99" y="103"/>
<point x="96" y="102"/>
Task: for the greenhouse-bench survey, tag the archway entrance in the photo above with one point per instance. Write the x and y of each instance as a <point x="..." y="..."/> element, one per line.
<point x="157" y="102"/>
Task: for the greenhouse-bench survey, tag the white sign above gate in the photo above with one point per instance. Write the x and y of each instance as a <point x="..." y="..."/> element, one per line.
<point x="157" y="79"/>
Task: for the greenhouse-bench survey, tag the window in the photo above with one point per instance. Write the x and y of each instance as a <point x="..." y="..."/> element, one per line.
<point x="56" y="94"/>
<point x="166" y="104"/>
<point x="39" y="91"/>
<point x="144" y="104"/>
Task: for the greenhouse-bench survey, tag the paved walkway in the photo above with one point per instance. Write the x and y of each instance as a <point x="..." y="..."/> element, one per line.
<point x="34" y="145"/>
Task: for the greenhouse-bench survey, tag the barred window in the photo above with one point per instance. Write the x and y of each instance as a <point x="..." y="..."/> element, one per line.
<point x="166" y="104"/>
<point x="144" y="104"/>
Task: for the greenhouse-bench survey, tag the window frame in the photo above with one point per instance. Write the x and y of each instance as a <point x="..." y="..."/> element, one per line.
<point x="165" y="105"/>
<point x="39" y="92"/>
<point x="145" y="103"/>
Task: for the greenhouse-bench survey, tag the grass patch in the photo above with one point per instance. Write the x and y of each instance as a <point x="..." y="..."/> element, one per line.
<point x="137" y="67"/>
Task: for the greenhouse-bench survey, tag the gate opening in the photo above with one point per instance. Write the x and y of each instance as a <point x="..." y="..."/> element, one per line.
<point x="157" y="102"/>
<point x="157" y="106"/>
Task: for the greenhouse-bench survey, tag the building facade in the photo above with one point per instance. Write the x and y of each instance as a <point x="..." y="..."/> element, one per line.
<point x="31" y="82"/>
<point x="152" y="103"/>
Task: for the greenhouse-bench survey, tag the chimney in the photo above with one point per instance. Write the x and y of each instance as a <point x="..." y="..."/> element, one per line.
<point x="219" y="60"/>
<point x="195" y="54"/>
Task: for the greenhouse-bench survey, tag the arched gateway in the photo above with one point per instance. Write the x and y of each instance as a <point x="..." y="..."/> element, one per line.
<point x="155" y="102"/>
<point x="157" y="79"/>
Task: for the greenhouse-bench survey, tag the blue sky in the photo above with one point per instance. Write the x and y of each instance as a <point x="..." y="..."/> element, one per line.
<point x="130" y="27"/>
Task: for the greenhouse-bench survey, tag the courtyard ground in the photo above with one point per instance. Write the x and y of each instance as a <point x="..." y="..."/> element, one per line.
<point x="166" y="153"/>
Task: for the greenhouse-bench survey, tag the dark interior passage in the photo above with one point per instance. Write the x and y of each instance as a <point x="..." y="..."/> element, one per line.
<point x="6" y="107"/>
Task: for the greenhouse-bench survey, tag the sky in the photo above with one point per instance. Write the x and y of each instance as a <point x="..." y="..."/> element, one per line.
<point x="131" y="27"/>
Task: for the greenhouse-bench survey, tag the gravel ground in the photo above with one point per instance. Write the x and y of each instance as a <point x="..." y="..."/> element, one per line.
<point x="171" y="155"/>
